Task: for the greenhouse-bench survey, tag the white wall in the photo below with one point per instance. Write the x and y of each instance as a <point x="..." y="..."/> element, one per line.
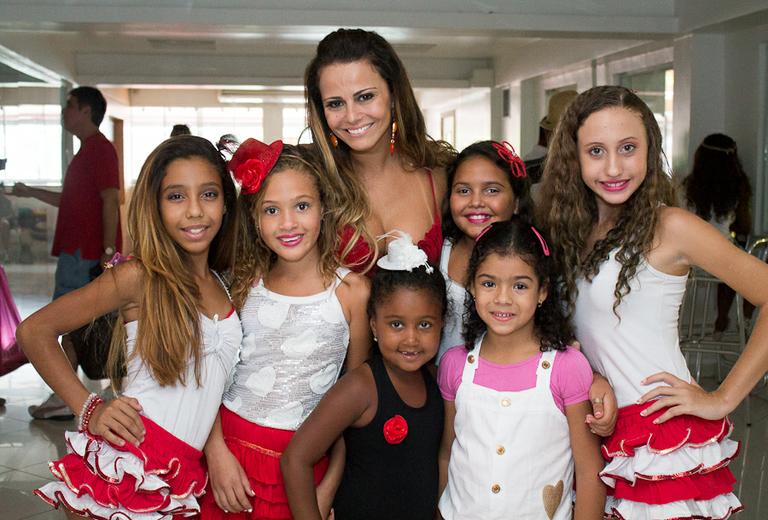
<point x="746" y="107"/>
<point x="472" y="109"/>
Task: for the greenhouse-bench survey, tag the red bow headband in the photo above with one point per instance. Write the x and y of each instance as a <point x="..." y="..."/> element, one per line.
<point x="507" y="152"/>
<point x="252" y="163"/>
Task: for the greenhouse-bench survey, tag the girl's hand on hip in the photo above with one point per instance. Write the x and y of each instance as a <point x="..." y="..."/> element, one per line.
<point x="230" y="485"/>
<point x="118" y="421"/>
<point x="680" y="398"/>
<point x="604" y="414"/>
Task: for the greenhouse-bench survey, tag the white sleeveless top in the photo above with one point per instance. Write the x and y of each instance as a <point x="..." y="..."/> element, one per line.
<point x="187" y="411"/>
<point x="646" y="339"/>
<point x="292" y="352"/>
<point x="454" y="322"/>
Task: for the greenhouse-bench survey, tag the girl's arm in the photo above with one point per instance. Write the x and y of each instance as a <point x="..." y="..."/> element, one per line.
<point x="353" y="295"/>
<point x="444" y="455"/>
<point x="590" y="491"/>
<point x="230" y="485"/>
<point x="326" y="489"/>
<point x="350" y="402"/>
<point x="119" y="420"/>
<point x="605" y="411"/>
<point x="685" y="240"/>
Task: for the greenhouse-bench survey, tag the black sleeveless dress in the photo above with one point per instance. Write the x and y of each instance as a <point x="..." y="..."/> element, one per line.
<point x="393" y="481"/>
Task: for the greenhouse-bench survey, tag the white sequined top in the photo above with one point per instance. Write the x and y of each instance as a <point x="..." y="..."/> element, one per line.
<point x="292" y="352"/>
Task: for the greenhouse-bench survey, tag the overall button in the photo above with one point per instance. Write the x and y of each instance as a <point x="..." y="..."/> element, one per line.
<point x="505" y="402"/>
<point x="495" y="489"/>
<point x="500" y="450"/>
<point x="470" y="359"/>
<point x="545" y="364"/>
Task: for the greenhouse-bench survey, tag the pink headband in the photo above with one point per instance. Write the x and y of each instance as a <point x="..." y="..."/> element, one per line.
<point x="507" y="152"/>
<point x="544" y="247"/>
<point x="483" y="232"/>
<point x="252" y="162"/>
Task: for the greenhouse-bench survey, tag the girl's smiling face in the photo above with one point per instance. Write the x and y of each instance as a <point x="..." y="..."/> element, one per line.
<point x="289" y="215"/>
<point x="481" y="194"/>
<point x="613" y="155"/>
<point x="407" y="325"/>
<point x="507" y="292"/>
<point x="192" y="203"/>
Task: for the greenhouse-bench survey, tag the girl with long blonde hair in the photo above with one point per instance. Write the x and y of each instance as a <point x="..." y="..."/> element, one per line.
<point x="626" y="253"/>
<point x="139" y="455"/>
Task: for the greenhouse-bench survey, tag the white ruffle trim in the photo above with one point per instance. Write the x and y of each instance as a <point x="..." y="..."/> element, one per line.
<point x="111" y="464"/>
<point x="57" y="492"/>
<point x="718" y="508"/>
<point x="647" y="464"/>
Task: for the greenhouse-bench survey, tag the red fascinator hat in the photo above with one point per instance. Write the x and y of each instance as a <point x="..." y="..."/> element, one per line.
<point x="252" y="162"/>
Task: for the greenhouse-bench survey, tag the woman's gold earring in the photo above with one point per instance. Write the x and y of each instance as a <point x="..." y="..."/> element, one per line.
<point x="334" y="140"/>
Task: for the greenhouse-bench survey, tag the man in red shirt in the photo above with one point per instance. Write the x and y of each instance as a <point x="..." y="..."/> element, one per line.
<point x="88" y="225"/>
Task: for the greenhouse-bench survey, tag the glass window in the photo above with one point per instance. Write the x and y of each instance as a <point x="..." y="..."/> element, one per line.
<point x="294" y="123"/>
<point x="146" y="127"/>
<point x="30" y="141"/>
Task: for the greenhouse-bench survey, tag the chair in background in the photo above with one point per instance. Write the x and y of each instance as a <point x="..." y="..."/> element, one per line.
<point x="697" y="317"/>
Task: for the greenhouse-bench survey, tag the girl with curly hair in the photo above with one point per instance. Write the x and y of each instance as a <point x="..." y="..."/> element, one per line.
<point x="516" y="396"/>
<point x="625" y="254"/>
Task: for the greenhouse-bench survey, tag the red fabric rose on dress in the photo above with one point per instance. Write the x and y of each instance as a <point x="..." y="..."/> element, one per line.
<point x="395" y="430"/>
<point x="252" y="162"/>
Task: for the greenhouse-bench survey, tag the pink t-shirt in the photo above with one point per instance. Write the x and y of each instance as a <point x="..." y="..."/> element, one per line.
<point x="570" y="380"/>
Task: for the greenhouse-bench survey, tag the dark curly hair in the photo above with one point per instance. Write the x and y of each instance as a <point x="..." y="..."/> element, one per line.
<point x="386" y="282"/>
<point x="717" y="184"/>
<point x="515" y="237"/>
<point x="521" y="186"/>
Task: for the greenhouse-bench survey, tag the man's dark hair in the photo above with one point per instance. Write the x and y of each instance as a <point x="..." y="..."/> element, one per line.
<point x="93" y="98"/>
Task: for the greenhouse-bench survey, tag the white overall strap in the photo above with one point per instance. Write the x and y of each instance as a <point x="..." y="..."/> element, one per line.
<point x="470" y="365"/>
<point x="544" y="369"/>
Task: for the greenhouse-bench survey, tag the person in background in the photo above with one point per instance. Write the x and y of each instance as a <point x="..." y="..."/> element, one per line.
<point x="534" y="159"/>
<point x="88" y="225"/>
<point x="718" y="191"/>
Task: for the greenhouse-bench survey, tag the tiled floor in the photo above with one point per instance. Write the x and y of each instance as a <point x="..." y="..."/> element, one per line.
<point x="26" y="445"/>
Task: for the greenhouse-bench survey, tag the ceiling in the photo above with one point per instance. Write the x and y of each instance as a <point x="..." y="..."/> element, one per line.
<point x="444" y="43"/>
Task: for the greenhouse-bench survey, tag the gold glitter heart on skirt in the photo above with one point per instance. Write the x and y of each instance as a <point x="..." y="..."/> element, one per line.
<point x="552" y="495"/>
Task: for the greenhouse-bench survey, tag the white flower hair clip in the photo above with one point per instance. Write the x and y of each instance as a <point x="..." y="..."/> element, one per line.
<point x="402" y="253"/>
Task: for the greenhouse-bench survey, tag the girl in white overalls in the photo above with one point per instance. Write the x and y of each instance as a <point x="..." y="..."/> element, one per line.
<point x="516" y="396"/>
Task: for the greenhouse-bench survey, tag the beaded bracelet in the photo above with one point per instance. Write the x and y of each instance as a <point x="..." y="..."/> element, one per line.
<point x="86" y="412"/>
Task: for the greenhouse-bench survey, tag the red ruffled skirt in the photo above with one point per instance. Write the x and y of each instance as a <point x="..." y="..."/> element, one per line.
<point x="258" y="449"/>
<point x="675" y="470"/>
<point x="160" y="478"/>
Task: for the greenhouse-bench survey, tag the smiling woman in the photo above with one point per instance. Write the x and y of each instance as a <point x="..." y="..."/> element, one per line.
<point x="364" y="117"/>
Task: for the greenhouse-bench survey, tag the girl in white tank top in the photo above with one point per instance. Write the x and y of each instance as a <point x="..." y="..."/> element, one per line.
<point x="303" y="320"/>
<point x="139" y="455"/>
<point x="626" y="254"/>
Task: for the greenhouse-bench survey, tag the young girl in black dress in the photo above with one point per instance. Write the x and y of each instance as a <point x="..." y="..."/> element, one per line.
<point x="388" y="410"/>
